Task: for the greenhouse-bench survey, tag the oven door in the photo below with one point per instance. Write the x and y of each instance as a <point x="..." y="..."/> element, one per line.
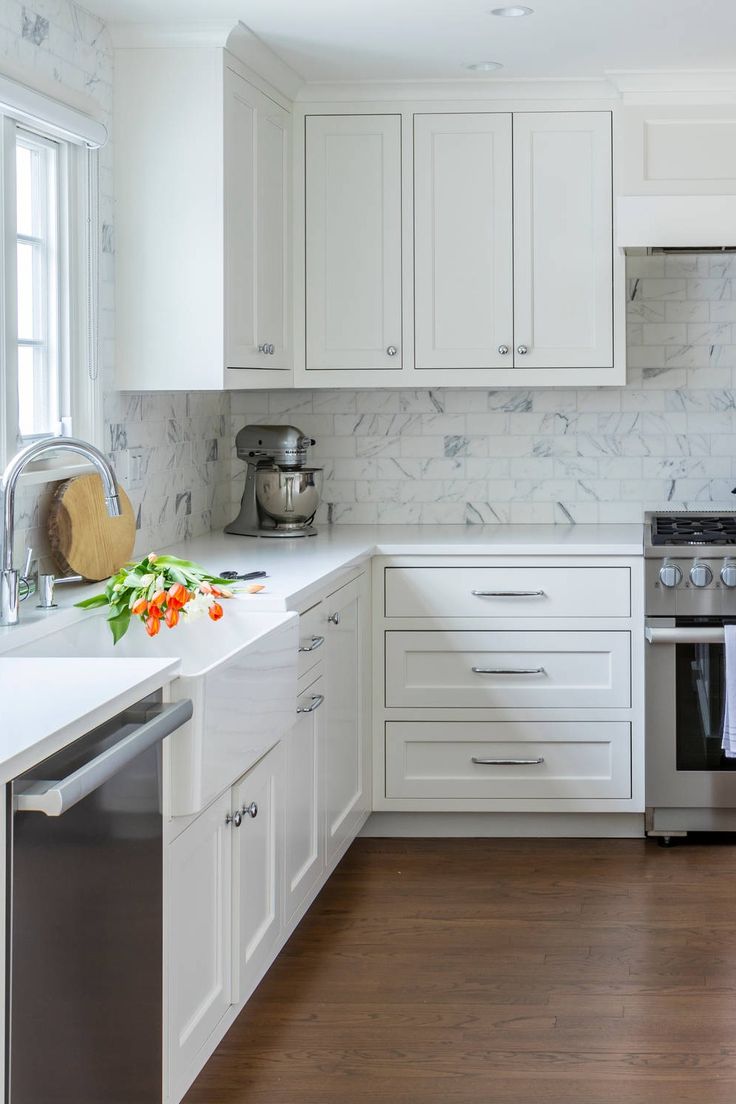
<point x="685" y="694"/>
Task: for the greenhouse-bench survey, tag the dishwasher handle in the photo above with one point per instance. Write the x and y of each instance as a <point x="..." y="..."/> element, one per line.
<point x="54" y="798"/>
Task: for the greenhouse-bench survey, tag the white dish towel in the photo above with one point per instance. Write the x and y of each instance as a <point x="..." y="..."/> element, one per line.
<point x="728" y="742"/>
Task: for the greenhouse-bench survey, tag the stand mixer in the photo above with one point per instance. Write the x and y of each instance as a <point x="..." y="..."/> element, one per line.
<point x="281" y="494"/>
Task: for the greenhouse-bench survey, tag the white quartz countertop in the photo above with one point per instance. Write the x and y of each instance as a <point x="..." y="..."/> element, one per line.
<point x="48" y="703"/>
<point x="299" y="568"/>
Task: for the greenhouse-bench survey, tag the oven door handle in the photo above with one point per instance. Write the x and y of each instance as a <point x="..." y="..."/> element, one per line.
<point x="684" y="636"/>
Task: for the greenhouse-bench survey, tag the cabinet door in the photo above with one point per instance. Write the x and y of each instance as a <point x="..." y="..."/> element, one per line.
<point x="272" y="234"/>
<point x="463" y="254"/>
<point x="304" y="853"/>
<point x="345" y="745"/>
<point x="256" y="228"/>
<point x="257" y="871"/>
<point x="353" y="242"/>
<point x="563" y="247"/>
<point x="198" y="938"/>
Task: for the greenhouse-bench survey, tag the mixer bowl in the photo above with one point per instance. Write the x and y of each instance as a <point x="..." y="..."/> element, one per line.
<point x="289" y="498"/>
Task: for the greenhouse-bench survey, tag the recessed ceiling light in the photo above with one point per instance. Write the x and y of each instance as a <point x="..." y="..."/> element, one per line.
<point x="513" y="12"/>
<point x="485" y="66"/>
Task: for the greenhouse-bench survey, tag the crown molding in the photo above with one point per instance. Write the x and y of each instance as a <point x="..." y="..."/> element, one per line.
<point x="467" y="89"/>
<point x="237" y="38"/>
<point x="675" y="85"/>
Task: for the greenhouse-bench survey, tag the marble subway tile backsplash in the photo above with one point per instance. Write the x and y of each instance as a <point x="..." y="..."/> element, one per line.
<point x="666" y="439"/>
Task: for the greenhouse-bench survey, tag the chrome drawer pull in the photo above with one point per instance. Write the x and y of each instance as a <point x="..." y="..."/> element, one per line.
<point x="317" y="700"/>
<point x="507" y="762"/>
<point x="507" y="593"/>
<point x="317" y="642"/>
<point x="508" y="670"/>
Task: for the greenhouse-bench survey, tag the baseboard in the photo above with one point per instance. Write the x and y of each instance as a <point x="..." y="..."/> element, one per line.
<point x="551" y="825"/>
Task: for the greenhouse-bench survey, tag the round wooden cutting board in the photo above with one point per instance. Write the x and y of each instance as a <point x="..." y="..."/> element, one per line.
<point x="84" y="538"/>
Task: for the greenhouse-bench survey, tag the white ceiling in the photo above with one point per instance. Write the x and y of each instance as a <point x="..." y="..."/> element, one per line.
<point x="334" y="40"/>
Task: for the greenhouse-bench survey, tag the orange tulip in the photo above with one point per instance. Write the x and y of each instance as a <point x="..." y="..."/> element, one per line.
<point x="158" y="599"/>
<point x="206" y="588"/>
<point x="153" y="625"/>
<point x="255" y="588"/>
<point x="178" y="595"/>
<point x="215" y="611"/>
<point x="139" y="607"/>
<point x="171" y="617"/>
<point x="153" y="611"/>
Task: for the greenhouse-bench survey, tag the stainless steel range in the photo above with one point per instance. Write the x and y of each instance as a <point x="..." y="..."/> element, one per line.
<point x="690" y="594"/>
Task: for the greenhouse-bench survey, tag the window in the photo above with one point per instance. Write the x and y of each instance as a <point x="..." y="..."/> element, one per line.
<point x="48" y="288"/>
<point x="43" y="394"/>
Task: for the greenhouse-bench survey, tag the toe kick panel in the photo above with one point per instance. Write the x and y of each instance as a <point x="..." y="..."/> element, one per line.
<point x="506" y="670"/>
<point x="508" y="759"/>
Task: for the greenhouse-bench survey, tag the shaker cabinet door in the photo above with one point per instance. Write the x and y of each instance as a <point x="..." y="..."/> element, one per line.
<point x="463" y="251"/>
<point x="563" y="247"/>
<point x="346" y="792"/>
<point x="353" y="242"/>
<point x="256" y="228"/>
<point x="198" y="938"/>
<point x="257" y="849"/>
<point x="304" y="850"/>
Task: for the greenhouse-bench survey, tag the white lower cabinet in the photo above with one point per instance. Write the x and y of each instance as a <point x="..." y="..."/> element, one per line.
<point x="304" y="837"/>
<point x="257" y="851"/>
<point x="198" y="899"/>
<point x="240" y="874"/>
<point x="508" y="684"/>
<point x="346" y="793"/>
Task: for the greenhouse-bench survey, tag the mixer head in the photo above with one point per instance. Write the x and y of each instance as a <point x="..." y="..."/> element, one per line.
<point x="285" y="445"/>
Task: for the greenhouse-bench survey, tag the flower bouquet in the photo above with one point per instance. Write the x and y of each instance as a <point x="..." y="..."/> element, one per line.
<point x="160" y="589"/>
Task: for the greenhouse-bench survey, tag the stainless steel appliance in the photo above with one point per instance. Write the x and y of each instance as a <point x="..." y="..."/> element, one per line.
<point x="690" y="594"/>
<point x="281" y="493"/>
<point x="85" y="874"/>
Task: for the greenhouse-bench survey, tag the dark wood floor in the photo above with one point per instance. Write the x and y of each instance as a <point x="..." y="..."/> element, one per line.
<point x="508" y="972"/>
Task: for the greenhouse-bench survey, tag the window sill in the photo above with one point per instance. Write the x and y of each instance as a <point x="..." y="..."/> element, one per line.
<point x="48" y="472"/>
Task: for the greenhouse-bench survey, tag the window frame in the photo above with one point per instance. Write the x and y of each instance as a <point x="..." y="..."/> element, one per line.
<point x="78" y="296"/>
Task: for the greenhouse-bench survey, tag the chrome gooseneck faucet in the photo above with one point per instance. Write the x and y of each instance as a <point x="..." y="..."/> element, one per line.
<point x="9" y="576"/>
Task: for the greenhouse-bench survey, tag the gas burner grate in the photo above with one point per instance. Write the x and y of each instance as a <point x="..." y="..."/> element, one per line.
<point x="684" y="529"/>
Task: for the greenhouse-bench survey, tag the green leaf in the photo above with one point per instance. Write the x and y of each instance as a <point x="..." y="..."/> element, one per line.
<point x="119" y="625"/>
<point x="93" y="602"/>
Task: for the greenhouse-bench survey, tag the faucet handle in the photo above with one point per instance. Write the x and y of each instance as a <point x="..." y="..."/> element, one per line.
<point x="26" y="572"/>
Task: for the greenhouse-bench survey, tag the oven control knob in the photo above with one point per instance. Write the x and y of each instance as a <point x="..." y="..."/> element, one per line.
<point x="700" y="574"/>
<point x="728" y="573"/>
<point x="670" y="574"/>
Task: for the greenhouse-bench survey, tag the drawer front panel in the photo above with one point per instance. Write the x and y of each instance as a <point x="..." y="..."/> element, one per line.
<point x="538" y="759"/>
<point x="508" y="591"/>
<point x="560" y="670"/>
<point x="311" y="639"/>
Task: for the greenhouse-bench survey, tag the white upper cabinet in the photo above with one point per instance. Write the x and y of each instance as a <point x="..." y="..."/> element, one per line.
<point x="563" y="240"/>
<point x="256" y="228"/>
<point x="203" y="198"/>
<point x="486" y="236"/>
<point x="353" y="243"/>
<point x="463" y="245"/>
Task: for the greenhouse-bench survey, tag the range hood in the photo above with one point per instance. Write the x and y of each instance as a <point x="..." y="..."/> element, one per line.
<point x="677" y="223"/>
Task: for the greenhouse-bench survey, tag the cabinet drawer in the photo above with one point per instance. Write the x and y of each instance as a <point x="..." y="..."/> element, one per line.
<point x="531" y="759"/>
<point x="311" y="639"/>
<point x="561" y="670"/>
<point x="508" y="591"/>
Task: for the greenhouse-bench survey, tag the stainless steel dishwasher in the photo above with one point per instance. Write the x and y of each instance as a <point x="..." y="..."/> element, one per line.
<point x="85" y="871"/>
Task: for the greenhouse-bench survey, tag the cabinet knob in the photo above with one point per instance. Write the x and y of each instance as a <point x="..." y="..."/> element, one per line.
<point x="271" y="349"/>
<point x="236" y="818"/>
<point x="263" y="349"/>
<point x="522" y="350"/>
<point x="251" y="810"/>
<point x="333" y="619"/>
<point x="267" y="349"/>
<point x="392" y="350"/>
<point x="503" y="349"/>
